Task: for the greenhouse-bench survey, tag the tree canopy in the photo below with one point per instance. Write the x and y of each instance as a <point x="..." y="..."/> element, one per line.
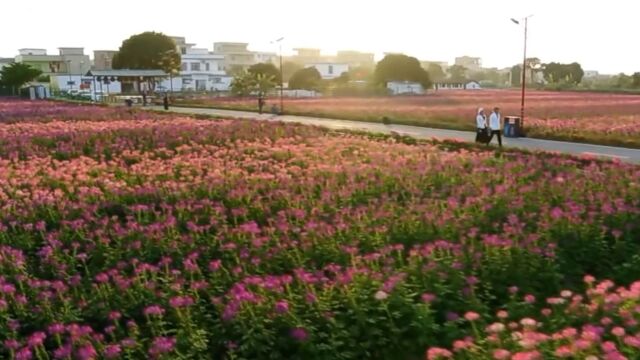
<point x="289" y="68"/>
<point x="557" y="73"/>
<point x="248" y="83"/>
<point x="148" y="50"/>
<point x="398" y="67"/>
<point x="17" y="75"/>
<point x="458" y="73"/>
<point x="435" y="72"/>
<point x="305" y="79"/>
<point x="267" y="69"/>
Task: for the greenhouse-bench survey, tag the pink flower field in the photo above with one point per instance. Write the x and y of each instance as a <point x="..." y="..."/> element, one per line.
<point x="128" y="235"/>
<point x="586" y="117"/>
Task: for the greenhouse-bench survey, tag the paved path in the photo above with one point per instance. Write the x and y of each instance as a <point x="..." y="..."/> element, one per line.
<point x="609" y="152"/>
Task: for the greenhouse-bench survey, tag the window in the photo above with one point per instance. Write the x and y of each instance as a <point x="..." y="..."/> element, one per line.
<point x="330" y="69"/>
<point x="183" y="50"/>
<point x="183" y="67"/>
<point x="195" y="66"/>
<point x="207" y="66"/>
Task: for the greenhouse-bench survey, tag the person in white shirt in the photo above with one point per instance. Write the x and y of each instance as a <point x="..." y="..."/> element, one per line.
<point x="481" y="124"/>
<point x="495" y="125"/>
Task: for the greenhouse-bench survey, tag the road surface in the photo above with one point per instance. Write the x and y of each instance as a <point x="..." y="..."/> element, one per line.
<point x="607" y="152"/>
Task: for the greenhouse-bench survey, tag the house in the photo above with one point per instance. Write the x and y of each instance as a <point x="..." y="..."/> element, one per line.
<point x="200" y="69"/>
<point x="70" y="60"/>
<point x="236" y="55"/>
<point x="103" y="59"/>
<point x="457" y="85"/>
<point x="330" y="70"/>
<point x="404" y="88"/>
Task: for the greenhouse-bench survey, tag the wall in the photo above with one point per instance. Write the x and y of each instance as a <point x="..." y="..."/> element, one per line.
<point x="398" y="88"/>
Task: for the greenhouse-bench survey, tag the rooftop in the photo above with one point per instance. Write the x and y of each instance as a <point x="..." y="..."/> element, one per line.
<point x="127" y="73"/>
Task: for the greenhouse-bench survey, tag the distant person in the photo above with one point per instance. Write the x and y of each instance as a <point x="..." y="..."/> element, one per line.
<point x="261" y="103"/>
<point x="165" y="101"/>
<point x="144" y="98"/>
<point x="495" y="125"/>
<point x="481" y="125"/>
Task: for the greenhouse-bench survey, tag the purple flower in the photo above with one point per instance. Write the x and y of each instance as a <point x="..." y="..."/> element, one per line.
<point x="62" y="352"/>
<point x="36" y="339"/>
<point x="299" y="334"/>
<point x="24" y="354"/>
<point x="181" y="301"/>
<point x="282" y="307"/>
<point x="214" y="265"/>
<point x="12" y="344"/>
<point x="87" y="352"/>
<point x="162" y="345"/>
<point x="55" y="329"/>
<point x="112" y="351"/>
<point x="427" y="298"/>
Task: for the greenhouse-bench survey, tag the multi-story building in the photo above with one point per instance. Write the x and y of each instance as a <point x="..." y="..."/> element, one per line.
<point x="265" y="57"/>
<point x="71" y="61"/>
<point x="103" y="59"/>
<point x="469" y="62"/>
<point x="236" y="55"/>
<point x="355" y="58"/>
<point x="308" y="56"/>
<point x="202" y="70"/>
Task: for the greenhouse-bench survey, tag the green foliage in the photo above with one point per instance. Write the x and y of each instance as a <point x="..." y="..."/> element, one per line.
<point x="361" y="73"/>
<point x="289" y="68"/>
<point x="458" y="73"/>
<point x="398" y="67"/>
<point x="306" y="79"/>
<point x="148" y="50"/>
<point x="516" y="75"/>
<point x="17" y="75"/>
<point x="252" y="83"/>
<point x="557" y="73"/>
<point x="267" y="69"/>
<point x="435" y="72"/>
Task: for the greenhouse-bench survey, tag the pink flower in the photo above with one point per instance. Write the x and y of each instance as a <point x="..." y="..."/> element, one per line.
<point x="527" y="355"/>
<point x="618" y="331"/>
<point x="153" y="310"/>
<point x="427" y="298"/>
<point x="564" y="352"/>
<point x="502" y="314"/>
<point x="530" y="299"/>
<point x="471" y="316"/>
<point x="589" y="279"/>
<point x="282" y="307"/>
<point x="501" y="354"/>
<point x="299" y="334"/>
<point x="436" y="353"/>
<point x="528" y="323"/>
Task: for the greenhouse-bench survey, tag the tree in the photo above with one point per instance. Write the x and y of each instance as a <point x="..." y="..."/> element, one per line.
<point x="361" y="73"/>
<point x="458" y="73"/>
<point x="267" y="69"/>
<point x="17" y="75"/>
<point x="243" y="84"/>
<point x="289" y="68"/>
<point x="557" y="73"/>
<point x="306" y="79"/>
<point x="516" y="75"/>
<point x="398" y="67"/>
<point x="435" y="72"/>
<point x="149" y="50"/>
<point x="635" y="80"/>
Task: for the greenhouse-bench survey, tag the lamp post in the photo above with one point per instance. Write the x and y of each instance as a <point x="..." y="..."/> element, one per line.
<point x="279" y="41"/>
<point x="524" y="66"/>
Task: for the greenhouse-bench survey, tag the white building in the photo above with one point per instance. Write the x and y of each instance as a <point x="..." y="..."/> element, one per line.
<point x="588" y="74"/>
<point x="201" y="70"/>
<point x="404" y="88"/>
<point x="457" y="85"/>
<point x="330" y="71"/>
<point x="265" y="57"/>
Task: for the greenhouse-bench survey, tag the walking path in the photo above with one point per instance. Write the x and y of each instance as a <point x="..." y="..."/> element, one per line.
<point x="609" y="152"/>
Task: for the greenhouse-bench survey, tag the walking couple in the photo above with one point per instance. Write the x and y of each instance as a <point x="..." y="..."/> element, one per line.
<point x="485" y="132"/>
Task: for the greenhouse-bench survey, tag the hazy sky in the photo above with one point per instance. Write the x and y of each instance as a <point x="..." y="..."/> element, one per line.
<point x="598" y="34"/>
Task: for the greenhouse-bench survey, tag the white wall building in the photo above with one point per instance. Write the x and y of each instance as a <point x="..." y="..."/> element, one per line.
<point x="404" y="88"/>
<point x="201" y="70"/>
<point x="457" y="85"/>
<point x="330" y="71"/>
<point x="266" y="57"/>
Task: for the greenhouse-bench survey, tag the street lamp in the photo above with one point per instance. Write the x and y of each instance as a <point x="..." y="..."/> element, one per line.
<point x="279" y="41"/>
<point x="524" y="66"/>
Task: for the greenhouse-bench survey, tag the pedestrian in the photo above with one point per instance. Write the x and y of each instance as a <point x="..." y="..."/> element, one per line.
<point x="481" y="126"/>
<point x="165" y="101"/>
<point x="260" y="104"/>
<point x="144" y="98"/>
<point x="495" y="125"/>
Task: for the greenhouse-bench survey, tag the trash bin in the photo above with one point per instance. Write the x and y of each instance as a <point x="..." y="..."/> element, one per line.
<point x="512" y="126"/>
<point x="128" y="102"/>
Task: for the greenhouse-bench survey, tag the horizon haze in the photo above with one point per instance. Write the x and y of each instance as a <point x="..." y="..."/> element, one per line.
<point x="561" y="31"/>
